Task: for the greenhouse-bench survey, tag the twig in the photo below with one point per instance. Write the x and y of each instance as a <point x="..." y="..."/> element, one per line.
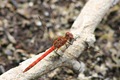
<point x="82" y="29"/>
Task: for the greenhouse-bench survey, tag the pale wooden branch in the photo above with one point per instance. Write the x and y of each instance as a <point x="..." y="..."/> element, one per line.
<point x="82" y="29"/>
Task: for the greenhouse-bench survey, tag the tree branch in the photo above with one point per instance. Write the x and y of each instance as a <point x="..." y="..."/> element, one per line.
<point x="82" y="29"/>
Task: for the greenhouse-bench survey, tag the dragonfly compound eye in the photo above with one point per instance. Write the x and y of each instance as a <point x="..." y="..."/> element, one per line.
<point x="69" y="35"/>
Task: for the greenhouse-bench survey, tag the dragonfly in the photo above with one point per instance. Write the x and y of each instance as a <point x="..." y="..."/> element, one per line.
<point x="60" y="41"/>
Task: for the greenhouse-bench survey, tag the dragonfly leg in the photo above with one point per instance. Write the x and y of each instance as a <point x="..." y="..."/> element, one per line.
<point x="74" y="39"/>
<point x="56" y="52"/>
<point x="55" y="58"/>
<point x="70" y="43"/>
<point x="67" y="45"/>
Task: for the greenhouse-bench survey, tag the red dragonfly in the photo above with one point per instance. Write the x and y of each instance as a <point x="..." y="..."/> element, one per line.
<point x="60" y="41"/>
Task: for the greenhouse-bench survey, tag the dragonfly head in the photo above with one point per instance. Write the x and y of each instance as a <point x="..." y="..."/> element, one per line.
<point x="69" y="35"/>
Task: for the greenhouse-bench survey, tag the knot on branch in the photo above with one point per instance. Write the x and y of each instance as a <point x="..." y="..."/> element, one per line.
<point x="89" y="39"/>
<point x="75" y="65"/>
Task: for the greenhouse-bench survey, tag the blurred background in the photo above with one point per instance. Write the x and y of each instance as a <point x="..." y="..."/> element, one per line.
<point x="28" y="27"/>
